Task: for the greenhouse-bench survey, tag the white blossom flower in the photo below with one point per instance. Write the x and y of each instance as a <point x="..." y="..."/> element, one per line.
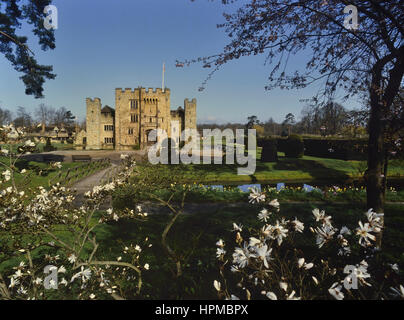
<point x="394" y="267"/>
<point x="7" y="175"/>
<point x="298" y="225"/>
<point x="263" y="215"/>
<point x="398" y="292"/>
<point x="345" y="231"/>
<point x="283" y="286"/>
<point x="264" y="254"/>
<point x="291" y="296"/>
<point x="272" y="296"/>
<point x="220" y="252"/>
<point x="237" y="227"/>
<point x="256" y="196"/>
<point x="72" y="258"/>
<point x="364" y="234"/>
<point x="146" y="266"/>
<point x="336" y="292"/>
<point x="220" y="243"/>
<point x="274" y="203"/>
<point x="254" y="242"/>
<point x="217" y="285"/>
<point x="324" y="234"/>
<point x="241" y="256"/>
<point x="62" y="269"/>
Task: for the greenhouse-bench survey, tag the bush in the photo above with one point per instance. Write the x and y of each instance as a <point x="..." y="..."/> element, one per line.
<point x="48" y="147"/>
<point x="136" y="147"/>
<point x="269" y="150"/>
<point x="352" y="149"/>
<point x="294" y="146"/>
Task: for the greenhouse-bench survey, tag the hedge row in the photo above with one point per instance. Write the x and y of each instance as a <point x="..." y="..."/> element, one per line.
<point x="353" y="149"/>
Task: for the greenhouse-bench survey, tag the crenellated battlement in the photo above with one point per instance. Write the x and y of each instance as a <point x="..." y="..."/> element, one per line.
<point x="144" y="91"/>
<point x="95" y="100"/>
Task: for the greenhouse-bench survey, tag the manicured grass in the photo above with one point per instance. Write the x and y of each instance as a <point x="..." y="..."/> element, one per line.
<point x="38" y="175"/>
<point x="286" y="169"/>
<point x="194" y="236"/>
<point x="58" y="146"/>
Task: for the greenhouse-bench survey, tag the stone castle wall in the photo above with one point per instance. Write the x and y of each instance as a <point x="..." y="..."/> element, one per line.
<point x="137" y="112"/>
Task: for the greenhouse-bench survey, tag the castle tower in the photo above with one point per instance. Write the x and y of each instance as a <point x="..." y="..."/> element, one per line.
<point x="93" y="121"/>
<point x="190" y="114"/>
<point x="137" y="112"/>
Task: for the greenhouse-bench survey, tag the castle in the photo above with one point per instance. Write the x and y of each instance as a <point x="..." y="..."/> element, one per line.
<point x="136" y="113"/>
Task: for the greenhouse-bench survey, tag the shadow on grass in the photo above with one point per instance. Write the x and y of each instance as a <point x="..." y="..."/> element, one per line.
<point x="317" y="170"/>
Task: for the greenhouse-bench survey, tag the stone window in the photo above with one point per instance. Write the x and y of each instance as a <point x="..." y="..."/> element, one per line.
<point x="108" y="128"/>
<point x="134" y="118"/>
<point x="134" y="104"/>
<point x="130" y="131"/>
<point x="109" y="140"/>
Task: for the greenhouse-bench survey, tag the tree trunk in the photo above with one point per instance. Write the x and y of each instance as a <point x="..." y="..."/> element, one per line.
<point x="375" y="187"/>
<point x="380" y="102"/>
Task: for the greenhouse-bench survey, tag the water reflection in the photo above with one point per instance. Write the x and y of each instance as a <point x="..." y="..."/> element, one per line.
<point x="397" y="185"/>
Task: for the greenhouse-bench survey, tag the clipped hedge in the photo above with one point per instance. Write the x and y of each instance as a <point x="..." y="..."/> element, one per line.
<point x="269" y="150"/>
<point x="294" y="147"/>
<point x="347" y="149"/>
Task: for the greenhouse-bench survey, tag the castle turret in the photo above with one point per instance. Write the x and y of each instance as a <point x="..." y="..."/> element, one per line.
<point x="190" y="114"/>
<point x="93" y="121"/>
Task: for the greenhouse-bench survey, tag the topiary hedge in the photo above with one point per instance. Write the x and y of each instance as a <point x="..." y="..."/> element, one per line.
<point x="294" y="147"/>
<point x="269" y="150"/>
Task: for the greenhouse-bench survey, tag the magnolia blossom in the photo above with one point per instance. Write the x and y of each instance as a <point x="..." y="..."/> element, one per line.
<point x="324" y="234"/>
<point x="72" y="258"/>
<point x="272" y="296"/>
<point x="398" y="292"/>
<point x="298" y="225"/>
<point x="263" y="215"/>
<point x="301" y="263"/>
<point x="237" y="227"/>
<point x="320" y="216"/>
<point x="85" y="275"/>
<point x="276" y="232"/>
<point x="283" y="286"/>
<point x="274" y="203"/>
<point x="256" y="196"/>
<point x="336" y="292"/>
<point x="217" y="285"/>
<point x="364" y="234"/>
<point x="220" y="243"/>
<point x="7" y="175"/>
<point x="241" y="256"/>
<point x="220" y="252"/>
<point x="264" y="254"/>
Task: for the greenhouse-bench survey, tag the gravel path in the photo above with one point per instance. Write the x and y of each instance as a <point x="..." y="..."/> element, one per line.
<point x="88" y="183"/>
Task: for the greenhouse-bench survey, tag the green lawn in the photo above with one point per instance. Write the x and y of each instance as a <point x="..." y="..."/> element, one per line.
<point x="286" y="169"/>
<point x="37" y="173"/>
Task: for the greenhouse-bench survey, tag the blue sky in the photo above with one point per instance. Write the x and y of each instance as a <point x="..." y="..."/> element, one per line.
<point x="102" y="45"/>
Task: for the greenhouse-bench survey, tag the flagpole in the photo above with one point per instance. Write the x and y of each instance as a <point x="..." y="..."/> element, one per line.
<point x="164" y="70"/>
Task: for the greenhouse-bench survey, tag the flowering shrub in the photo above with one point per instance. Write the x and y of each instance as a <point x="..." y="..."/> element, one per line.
<point x="29" y="226"/>
<point x="267" y="263"/>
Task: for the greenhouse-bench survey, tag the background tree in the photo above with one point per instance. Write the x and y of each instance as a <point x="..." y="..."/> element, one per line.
<point x="5" y="116"/>
<point x="14" y="48"/>
<point x="252" y="120"/>
<point x="367" y="61"/>
<point x="23" y="118"/>
<point x="289" y="121"/>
